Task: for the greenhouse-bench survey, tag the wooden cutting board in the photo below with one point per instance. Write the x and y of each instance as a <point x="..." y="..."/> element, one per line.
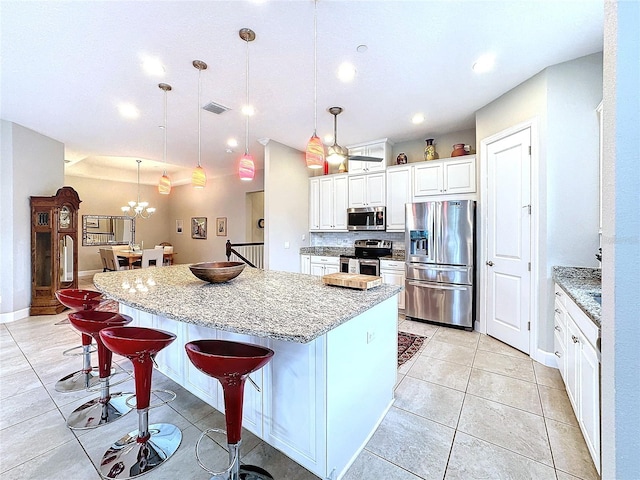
<point x="352" y="280"/>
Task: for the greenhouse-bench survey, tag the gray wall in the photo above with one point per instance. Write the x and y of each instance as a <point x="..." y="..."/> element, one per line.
<point x="286" y="205"/>
<point x="621" y="243"/>
<point x="32" y="165"/>
<point x="414" y="149"/>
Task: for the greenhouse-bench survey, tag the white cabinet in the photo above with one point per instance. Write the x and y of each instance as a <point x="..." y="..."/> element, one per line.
<point x="445" y="177"/>
<point x="398" y="194"/>
<point x="328" y="203"/>
<point x="324" y="265"/>
<point x="377" y="149"/>
<point x="392" y="271"/>
<point x="575" y="338"/>
<point x="305" y="264"/>
<point x="367" y="190"/>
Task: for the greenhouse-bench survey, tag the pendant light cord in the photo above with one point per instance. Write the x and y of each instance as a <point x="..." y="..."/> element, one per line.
<point x="199" y="113"/>
<point x="165" y="130"/>
<point x="246" y="137"/>
<point x="139" y="162"/>
<point x="315" y="67"/>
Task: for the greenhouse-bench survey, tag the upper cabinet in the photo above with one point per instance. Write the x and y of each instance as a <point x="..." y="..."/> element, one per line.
<point x="367" y="190"/>
<point x="445" y="177"/>
<point x="377" y="149"/>
<point x="328" y="203"/>
<point x="398" y="193"/>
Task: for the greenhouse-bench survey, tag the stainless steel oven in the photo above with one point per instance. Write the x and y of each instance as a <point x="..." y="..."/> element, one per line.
<point x="363" y="266"/>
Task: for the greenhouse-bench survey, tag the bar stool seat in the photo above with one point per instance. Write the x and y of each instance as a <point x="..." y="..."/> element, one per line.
<point x="230" y="363"/>
<point x="79" y="299"/>
<point x="108" y="407"/>
<point x="149" y="446"/>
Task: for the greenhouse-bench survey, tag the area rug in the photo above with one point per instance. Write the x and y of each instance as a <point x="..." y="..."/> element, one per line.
<point x="408" y="346"/>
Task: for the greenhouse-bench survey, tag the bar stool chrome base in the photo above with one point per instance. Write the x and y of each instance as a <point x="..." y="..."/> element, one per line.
<point x="129" y="457"/>
<point x="94" y="413"/>
<point x="251" y="472"/>
<point x="76" y="381"/>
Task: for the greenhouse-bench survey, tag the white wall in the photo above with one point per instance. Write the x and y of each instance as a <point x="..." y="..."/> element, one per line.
<point x="286" y="205"/>
<point x="32" y="165"/>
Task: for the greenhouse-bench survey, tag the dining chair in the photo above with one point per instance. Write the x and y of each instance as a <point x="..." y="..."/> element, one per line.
<point x="166" y="250"/>
<point x="110" y="260"/>
<point x="152" y="255"/>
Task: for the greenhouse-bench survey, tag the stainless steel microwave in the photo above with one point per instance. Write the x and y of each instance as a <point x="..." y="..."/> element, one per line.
<point x="366" y="218"/>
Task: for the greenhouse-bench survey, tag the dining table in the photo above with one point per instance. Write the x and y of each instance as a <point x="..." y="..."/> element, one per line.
<point x="133" y="256"/>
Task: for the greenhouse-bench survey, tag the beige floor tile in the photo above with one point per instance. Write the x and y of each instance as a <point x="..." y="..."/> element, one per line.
<point x="548" y="376"/>
<point x="556" y="405"/>
<point x="521" y="368"/>
<point x="442" y="373"/>
<point x="276" y="463"/>
<point x="507" y="390"/>
<point x="25" y="405"/>
<point x="493" y="345"/>
<point x="449" y="352"/>
<point x="418" y="328"/>
<point x="435" y="402"/>
<point x="472" y="458"/>
<point x="66" y="461"/>
<point x="565" y="476"/>
<point x="516" y="430"/>
<point x="18" y="383"/>
<point x="457" y="337"/>
<point x="413" y="443"/>
<point x="14" y="364"/>
<point x="570" y="452"/>
<point x="368" y="465"/>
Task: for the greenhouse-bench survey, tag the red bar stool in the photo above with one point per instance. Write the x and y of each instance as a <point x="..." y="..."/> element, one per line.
<point x="77" y="299"/>
<point x="149" y="446"/>
<point x="230" y="363"/>
<point x="108" y="407"/>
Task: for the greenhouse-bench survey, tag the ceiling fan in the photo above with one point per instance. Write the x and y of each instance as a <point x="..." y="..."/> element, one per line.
<point x="337" y="154"/>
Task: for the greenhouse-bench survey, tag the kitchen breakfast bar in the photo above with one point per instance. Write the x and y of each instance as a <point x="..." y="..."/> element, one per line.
<point x="331" y="380"/>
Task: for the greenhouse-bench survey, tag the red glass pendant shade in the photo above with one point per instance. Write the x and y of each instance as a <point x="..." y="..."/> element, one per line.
<point x="246" y="169"/>
<point x="315" y="152"/>
<point x="198" y="177"/>
<point x="164" y="185"/>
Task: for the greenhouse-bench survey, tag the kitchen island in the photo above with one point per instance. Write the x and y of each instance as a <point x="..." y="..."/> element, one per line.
<point x="331" y="379"/>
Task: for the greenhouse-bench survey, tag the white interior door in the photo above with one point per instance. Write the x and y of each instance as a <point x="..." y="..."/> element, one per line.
<point x="508" y="239"/>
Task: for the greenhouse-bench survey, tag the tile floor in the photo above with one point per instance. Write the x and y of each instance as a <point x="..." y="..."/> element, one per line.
<point x="467" y="407"/>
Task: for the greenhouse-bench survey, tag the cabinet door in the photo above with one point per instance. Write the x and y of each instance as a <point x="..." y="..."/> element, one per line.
<point x="375" y="191"/>
<point x="377" y="150"/>
<point x="460" y="176"/>
<point x="427" y="179"/>
<point x="340" y="202"/>
<point x="559" y="342"/>
<point x="573" y="363"/>
<point x="305" y="264"/>
<point x="589" y="399"/>
<point x="356" y="167"/>
<point x="398" y="193"/>
<point x="326" y="204"/>
<point x="357" y="191"/>
<point x="395" y="278"/>
<point x="314" y="204"/>
<point x="317" y="270"/>
<point x="331" y="269"/>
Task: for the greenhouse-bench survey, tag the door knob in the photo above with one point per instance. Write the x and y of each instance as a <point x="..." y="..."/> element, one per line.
<point x="490" y="263"/>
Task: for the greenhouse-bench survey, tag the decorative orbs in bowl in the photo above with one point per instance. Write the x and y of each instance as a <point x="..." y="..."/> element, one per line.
<point x="217" y="272"/>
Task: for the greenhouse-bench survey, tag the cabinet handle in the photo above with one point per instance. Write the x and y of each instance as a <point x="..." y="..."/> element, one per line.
<point x="557" y="354"/>
<point x="558" y="294"/>
<point x="490" y="263"/>
<point x="557" y="310"/>
<point x="557" y="328"/>
<point x="575" y="339"/>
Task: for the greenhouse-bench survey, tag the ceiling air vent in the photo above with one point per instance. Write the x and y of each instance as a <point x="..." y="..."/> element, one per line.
<point x="216" y="108"/>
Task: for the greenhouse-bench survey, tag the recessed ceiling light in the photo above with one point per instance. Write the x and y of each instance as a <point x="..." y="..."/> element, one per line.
<point x="346" y="72"/>
<point x="248" y="110"/>
<point x="485" y="63"/>
<point x="417" y="118"/>
<point x="232" y="142"/>
<point x="361" y="48"/>
<point x="153" y="66"/>
<point x="128" y="110"/>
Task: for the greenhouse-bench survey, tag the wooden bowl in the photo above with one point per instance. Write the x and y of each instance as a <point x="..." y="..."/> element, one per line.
<point x="217" y="272"/>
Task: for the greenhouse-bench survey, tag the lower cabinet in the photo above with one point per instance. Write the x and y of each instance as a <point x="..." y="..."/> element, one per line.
<point x="305" y="264"/>
<point x="392" y="271"/>
<point x="324" y="265"/>
<point x="575" y="337"/>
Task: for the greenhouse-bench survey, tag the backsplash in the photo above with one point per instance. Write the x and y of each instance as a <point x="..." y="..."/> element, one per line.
<point x="342" y="239"/>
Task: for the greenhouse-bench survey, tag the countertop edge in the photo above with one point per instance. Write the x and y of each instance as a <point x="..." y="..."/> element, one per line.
<point x="580" y="283"/>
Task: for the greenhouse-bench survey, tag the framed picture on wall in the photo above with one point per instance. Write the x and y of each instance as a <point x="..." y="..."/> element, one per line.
<point x="179" y="226"/>
<point x="221" y="226"/>
<point x="199" y="227"/>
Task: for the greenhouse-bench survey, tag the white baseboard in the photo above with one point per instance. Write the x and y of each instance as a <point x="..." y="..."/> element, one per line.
<point x="14" y="316"/>
<point x="545" y="358"/>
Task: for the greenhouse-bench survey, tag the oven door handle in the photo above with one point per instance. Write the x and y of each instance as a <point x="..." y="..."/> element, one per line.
<point x="437" y="286"/>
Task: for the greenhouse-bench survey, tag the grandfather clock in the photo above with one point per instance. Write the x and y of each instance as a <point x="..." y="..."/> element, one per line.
<point x="54" y="254"/>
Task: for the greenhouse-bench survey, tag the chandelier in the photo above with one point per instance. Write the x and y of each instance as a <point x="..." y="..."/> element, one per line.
<point x="138" y="209"/>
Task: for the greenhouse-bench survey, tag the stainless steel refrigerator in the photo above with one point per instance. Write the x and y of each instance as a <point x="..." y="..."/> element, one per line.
<point x="440" y="253"/>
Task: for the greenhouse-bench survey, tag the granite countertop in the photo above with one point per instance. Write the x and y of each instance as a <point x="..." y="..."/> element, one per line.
<point x="286" y="306"/>
<point x="396" y="254"/>
<point x="581" y="284"/>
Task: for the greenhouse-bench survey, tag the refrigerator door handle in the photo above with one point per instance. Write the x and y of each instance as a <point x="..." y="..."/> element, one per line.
<point x="439" y="268"/>
<point x="437" y="286"/>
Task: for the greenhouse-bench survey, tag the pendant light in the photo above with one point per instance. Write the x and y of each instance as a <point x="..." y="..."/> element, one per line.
<point x="337" y="154"/>
<point x="199" y="177"/>
<point x="246" y="168"/>
<point x="164" y="185"/>
<point x="315" y="149"/>
<point x="138" y="209"/>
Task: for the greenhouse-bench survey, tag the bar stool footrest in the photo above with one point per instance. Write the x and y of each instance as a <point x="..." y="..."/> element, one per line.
<point x="155" y="405"/>
<point x="224" y="474"/>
